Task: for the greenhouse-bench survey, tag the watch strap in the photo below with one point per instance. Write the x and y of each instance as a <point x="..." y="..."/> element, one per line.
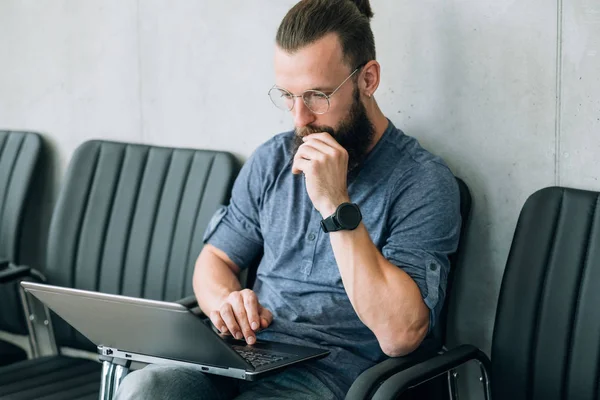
<point x="329" y="224"/>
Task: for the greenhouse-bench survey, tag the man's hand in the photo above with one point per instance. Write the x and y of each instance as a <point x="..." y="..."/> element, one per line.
<point x="325" y="166"/>
<point x="241" y="315"/>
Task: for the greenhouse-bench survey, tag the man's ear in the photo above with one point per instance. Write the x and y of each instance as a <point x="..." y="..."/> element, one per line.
<point x="369" y="78"/>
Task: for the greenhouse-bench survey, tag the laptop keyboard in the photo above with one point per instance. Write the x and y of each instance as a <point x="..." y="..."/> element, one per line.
<point x="258" y="358"/>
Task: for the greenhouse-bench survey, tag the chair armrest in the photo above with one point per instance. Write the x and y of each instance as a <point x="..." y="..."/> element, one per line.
<point x="13" y="273"/>
<point x="429" y="369"/>
<point x="16" y="272"/>
<point x="191" y="303"/>
<point x="188" y="302"/>
<point x="369" y="380"/>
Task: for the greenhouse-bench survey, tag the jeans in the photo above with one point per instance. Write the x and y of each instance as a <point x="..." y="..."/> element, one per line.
<point x="183" y="383"/>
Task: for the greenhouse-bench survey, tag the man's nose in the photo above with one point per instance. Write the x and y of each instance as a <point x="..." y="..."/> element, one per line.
<point x="302" y="114"/>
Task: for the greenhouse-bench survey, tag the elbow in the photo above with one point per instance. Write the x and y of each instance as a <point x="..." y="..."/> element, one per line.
<point x="403" y="343"/>
<point x="400" y="348"/>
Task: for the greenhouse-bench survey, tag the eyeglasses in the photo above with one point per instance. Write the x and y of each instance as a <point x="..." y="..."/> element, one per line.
<point x="316" y="101"/>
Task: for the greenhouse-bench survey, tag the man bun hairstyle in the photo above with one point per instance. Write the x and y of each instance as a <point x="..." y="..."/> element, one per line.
<point x="310" y="20"/>
<point x="364" y="7"/>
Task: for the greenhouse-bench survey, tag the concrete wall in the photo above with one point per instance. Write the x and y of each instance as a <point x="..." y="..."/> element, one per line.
<point x="508" y="92"/>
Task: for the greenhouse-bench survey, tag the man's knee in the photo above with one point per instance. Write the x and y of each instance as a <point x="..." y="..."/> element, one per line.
<point x="140" y="383"/>
<point x="162" y="382"/>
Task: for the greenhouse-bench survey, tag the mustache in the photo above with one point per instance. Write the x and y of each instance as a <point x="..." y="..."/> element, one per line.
<point x="309" y="130"/>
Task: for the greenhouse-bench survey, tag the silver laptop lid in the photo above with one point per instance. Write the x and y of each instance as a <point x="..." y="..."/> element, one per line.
<point x="142" y="326"/>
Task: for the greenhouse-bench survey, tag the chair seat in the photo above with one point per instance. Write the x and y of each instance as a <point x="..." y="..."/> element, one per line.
<point x="10" y="353"/>
<point x="51" y="378"/>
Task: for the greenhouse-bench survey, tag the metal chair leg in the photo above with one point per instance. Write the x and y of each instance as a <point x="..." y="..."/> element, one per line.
<point x="485" y="381"/>
<point x="453" y="384"/>
<point x="108" y="378"/>
<point x="39" y="326"/>
<point x="121" y="372"/>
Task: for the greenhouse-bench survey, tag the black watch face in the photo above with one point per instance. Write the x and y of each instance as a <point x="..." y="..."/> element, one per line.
<point x="348" y="216"/>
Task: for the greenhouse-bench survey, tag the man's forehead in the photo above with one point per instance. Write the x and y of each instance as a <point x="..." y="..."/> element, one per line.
<point x="316" y="63"/>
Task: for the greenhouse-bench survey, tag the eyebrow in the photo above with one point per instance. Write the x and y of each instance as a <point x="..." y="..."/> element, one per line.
<point x="323" y="89"/>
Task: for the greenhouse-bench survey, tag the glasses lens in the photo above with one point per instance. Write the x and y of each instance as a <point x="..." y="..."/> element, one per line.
<point x="281" y="98"/>
<point x="316" y="101"/>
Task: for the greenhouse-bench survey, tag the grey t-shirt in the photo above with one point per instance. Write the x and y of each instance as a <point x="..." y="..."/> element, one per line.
<point x="409" y="200"/>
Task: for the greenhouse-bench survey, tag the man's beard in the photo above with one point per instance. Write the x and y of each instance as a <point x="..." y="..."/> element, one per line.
<point x="355" y="133"/>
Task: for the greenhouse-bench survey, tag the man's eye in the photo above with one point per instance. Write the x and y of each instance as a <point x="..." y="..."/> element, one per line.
<point x="319" y="95"/>
<point x="286" y="95"/>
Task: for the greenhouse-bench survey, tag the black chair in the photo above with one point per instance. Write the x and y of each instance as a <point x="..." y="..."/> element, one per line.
<point x="546" y="342"/>
<point x="369" y="380"/>
<point x="129" y="220"/>
<point x="19" y="155"/>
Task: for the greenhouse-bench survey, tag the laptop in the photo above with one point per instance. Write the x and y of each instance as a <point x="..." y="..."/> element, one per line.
<point x="158" y="332"/>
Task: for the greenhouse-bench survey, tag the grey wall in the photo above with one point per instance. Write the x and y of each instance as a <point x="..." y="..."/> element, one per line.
<point x="508" y="92"/>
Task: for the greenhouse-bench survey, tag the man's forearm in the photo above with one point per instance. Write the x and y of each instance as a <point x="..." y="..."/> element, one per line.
<point x="213" y="281"/>
<point x="384" y="297"/>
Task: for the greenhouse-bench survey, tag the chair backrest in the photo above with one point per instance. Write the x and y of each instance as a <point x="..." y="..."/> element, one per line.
<point x="19" y="155"/>
<point x="130" y="219"/>
<point x="439" y="330"/>
<point x="546" y="342"/>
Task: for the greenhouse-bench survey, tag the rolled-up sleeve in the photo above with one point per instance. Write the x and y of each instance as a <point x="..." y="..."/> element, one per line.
<point x="235" y="228"/>
<point x="424" y="229"/>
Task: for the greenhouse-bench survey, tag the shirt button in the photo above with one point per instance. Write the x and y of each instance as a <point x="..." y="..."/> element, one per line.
<point x="311" y="236"/>
<point x="432" y="266"/>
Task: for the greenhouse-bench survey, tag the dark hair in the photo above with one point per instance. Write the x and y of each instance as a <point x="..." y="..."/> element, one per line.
<point x="310" y="20"/>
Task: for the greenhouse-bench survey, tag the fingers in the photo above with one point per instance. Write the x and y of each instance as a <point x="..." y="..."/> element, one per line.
<point x="325" y="147"/>
<point x="307" y="157"/>
<point x="307" y="152"/>
<point x="251" y="306"/>
<point x="320" y="146"/>
<point x="300" y="165"/>
<point x="228" y="316"/>
<point x="314" y="154"/>
<point x="217" y="321"/>
<point x="325" y="138"/>
<point x="266" y="317"/>
<point x="241" y="315"/>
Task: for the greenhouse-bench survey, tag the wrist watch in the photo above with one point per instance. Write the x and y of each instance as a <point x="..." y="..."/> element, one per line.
<point x="346" y="217"/>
